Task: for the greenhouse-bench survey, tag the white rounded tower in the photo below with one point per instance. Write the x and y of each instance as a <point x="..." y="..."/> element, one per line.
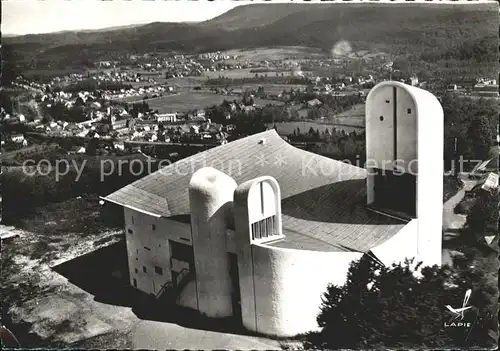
<point x="211" y="198"/>
<point x="404" y="152"/>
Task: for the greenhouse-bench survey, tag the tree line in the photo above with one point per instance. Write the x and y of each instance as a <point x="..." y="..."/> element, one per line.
<point x="257" y="79"/>
<point x="469" y="129"/>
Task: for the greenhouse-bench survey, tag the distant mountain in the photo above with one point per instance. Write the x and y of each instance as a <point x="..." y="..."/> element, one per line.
<point x="394" y="28"/>
<point x="253" y="16"/>
<point x="98" y="30"/>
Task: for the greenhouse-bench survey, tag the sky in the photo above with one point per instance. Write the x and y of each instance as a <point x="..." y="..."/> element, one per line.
<point x="44" y="16"/>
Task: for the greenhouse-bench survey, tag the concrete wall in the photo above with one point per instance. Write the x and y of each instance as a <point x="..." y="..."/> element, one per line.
<point x="157" y="241"/>
<point x="401" y="246"/>
<point x="289" y="285"/>
<point x="430" y="178"/>
<point x="188" y="296"/>
<point x="380" y="127"/>
<point x="406" y="138"/>
<point x="211" y="197"/>
<point x="380" y="133"/>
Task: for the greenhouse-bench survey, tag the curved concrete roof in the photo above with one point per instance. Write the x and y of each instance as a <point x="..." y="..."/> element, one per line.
<point x="323" y="200"/>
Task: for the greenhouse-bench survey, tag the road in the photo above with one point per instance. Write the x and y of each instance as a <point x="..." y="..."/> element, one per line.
<point x="453" y="222"/>
<point x="36" y="90"/>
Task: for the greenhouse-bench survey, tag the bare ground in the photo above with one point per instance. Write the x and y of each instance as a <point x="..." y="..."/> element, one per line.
<point x="55" y="309"/>
<point x="62" y="287"/>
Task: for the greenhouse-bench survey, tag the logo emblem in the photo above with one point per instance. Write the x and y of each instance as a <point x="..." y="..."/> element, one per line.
<point x="458" y="313"/>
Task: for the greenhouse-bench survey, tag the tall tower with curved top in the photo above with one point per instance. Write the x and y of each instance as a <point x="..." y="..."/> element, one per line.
<point x="404" y="150"/>
<point x="211" y="199"/>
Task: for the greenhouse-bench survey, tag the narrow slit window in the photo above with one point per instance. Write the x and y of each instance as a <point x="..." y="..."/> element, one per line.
<point x="408" y="110"/>
<point x="135" y="283"/>
<point x="136" y="271"/>
<point x="133" y="220"/>
<point x="153" y="226"/>
<point x="144" y="269"/>
<point x="147" y="248"/>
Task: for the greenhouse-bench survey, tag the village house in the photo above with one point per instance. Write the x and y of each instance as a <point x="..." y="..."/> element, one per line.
<point x="18" y="138"/>
<point x="413" y="81"/>
<point x="489" y="183"/>
<point x="314" y="102"/>
<point x="167" y="118"/>
<point x="200" y="114"/>
<point x="339" y="86"/>
<point x="226" y="235"/>
<point x="119" y="124"/>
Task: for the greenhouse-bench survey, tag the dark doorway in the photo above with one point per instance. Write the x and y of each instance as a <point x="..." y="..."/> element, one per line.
<point x="235" y="282"/>
<point x="182" y="252"/>
<point x="397" y="192"/>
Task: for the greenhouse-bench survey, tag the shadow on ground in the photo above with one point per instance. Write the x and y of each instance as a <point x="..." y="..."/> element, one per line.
<point x="104" y="274"/>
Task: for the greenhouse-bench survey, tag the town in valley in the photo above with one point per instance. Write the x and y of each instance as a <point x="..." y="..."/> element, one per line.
<point x="82" y="111"/>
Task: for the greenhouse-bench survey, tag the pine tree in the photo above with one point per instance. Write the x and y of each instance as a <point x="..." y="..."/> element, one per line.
<point x="480" y="135"/>
<point x="482" y="219"/>
<point x="380" y="307"/>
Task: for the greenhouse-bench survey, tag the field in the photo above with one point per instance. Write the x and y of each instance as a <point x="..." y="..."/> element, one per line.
<point x="187" y="101"/>
<point x="353" y="117"/>
<point x="242" y="73"/>
<point x="185" y="81"/>
<point x="349" y="121"/>
<point x="276" y="53"/>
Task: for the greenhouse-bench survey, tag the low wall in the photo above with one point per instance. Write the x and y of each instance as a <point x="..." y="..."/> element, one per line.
<point x="401" y="246"/>
<point x="289" y="285"/>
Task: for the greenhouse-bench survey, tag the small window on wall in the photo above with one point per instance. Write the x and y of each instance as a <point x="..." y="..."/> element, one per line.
<point x="136" y="271"/>
<point x="133" y="220"/>
<point x="158" y="270"/>
<point x="130" y="231"/>
<point x="387" y="101"/>
<point x="144" y="269"/>
<point x="408" y="111"/>
<point x="135" y="283"/>
<point x="153" y="226"/>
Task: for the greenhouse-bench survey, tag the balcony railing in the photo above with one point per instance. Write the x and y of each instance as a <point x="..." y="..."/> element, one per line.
<point x="264" y="228"/>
